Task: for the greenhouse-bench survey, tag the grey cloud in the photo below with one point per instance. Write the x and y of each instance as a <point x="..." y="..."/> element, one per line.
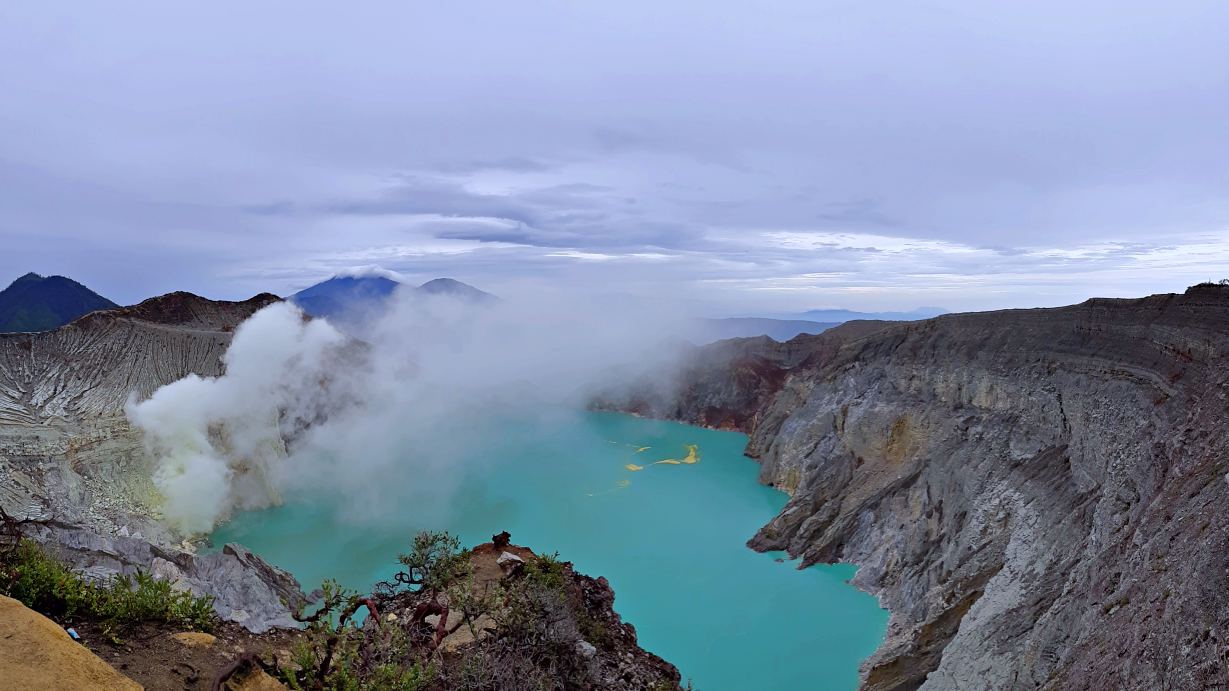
<point x="596" y="233"/>
<point x="445" y="198"/>
<point x="863" y="212"/>
<point x="522" y="164"/>
<point x="573" y="215"/>
<point x="1082" y="147"/>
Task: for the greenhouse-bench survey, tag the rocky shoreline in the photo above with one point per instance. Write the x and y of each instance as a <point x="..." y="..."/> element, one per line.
<point x="1037" y="496"/>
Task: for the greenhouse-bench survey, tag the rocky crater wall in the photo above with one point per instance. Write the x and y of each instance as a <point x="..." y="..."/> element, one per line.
<point x="1039" y="497"/>
<point x="71" y="463"/>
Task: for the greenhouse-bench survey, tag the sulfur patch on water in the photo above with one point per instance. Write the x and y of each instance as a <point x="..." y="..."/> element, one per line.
<point x="670" y="537"/>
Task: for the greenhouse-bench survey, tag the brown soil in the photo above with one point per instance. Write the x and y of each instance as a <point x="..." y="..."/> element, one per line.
<point x="484" y="560"/>
<point x="162" y="658"/>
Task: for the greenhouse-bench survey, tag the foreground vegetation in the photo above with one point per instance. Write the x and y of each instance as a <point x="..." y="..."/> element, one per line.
<point x="496" y="618"/>
<point x="44" y="584"/>
<point x="528" y="630"/>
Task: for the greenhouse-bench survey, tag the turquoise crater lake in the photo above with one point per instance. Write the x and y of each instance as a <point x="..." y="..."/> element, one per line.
<point x="670" y="537"/>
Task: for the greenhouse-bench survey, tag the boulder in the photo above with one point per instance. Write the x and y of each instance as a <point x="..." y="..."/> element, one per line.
<point x="509" y="562"/>
<point x="246" y="589"/>
<point x="195" y="639"/>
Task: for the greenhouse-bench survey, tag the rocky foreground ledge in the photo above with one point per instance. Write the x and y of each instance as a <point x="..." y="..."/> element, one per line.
<point x="245" y="589"/>
<point x="495" y="617"/>
<point x="1039" y="497"/>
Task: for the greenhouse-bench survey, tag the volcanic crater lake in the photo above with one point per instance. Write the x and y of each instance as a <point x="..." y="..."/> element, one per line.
<point x="670" y="537"/>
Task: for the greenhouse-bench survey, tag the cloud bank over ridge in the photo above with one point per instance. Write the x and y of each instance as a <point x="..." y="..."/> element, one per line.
<point x="783" y="157"/>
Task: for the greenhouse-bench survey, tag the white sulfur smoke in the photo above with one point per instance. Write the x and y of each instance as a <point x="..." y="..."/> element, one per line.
<point x="218" y="440"/>
<point x="302" y="407"/>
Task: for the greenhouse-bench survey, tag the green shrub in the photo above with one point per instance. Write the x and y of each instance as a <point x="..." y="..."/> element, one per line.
<point x="44" y="584"/>
<point x="539" y="620"/>
<point x="547" y="570"/>
<point x="338" y="654"/>
<point x="436" y="561"/>
<point x="398" y="677"/>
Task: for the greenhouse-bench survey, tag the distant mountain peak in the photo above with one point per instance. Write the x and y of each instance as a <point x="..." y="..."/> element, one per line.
<point x="353" y="297"/>
<point x="843" y="315"/>
<point x="40" y="303"/>
<point x="445" y="283"/>
<point x="368" y="283"/>
<point x="708" y="330"/>
<point x="451" y="286"/>
<point x="343" y="298"/>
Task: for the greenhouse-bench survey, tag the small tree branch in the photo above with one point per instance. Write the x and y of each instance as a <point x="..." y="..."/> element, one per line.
<point x="331" y="646"/>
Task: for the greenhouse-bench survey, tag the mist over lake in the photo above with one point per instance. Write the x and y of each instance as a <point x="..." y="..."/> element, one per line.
<point x="670" y="537"/>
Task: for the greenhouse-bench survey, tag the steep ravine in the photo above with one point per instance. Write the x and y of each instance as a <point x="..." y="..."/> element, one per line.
<point x="1038" y="496"/>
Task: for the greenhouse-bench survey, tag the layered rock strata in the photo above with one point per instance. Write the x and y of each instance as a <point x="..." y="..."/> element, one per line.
<point x="71" y="463"/>
<point x="1039" y="497"/>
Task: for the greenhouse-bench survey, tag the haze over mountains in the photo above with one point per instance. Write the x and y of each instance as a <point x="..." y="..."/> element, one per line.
<point x="37" y="303"/>
<point x="349" y="300"/>
<point x="344" y="294"/>
<point x="354" y="302"/>
<point x="41" y="303"/>
<point x="742" y="327"/>
<point x="812" y="322"/>
<point x="843" y="315"/>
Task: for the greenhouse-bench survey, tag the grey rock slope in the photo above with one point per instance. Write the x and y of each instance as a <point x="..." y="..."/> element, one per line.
<point x="70" y="461"/>
<point x="246" y="589"/>
<point x="1039" y="497"/>
<point x="86" y="370"/>
<point x="66" y="448"/>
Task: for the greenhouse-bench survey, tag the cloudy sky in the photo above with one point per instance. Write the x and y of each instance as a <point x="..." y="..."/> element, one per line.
<point x="747" y="157"/>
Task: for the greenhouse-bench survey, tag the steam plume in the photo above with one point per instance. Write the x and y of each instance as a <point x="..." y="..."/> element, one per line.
<point x="304" y="408"/>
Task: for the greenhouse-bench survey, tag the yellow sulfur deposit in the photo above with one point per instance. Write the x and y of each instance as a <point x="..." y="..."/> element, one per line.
<point x="693" y="456"/>
<point x="621" y="484"/>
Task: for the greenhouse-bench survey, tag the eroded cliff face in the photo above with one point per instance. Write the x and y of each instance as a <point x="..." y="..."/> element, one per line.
<point x="73" y="467"/>
<point x="87" y="369"/>
<point x="1039" y="497"/>
<point x="67" y="451"/>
